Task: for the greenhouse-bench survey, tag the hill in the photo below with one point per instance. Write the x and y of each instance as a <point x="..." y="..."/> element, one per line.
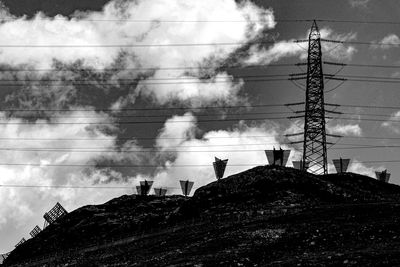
<point x="267" y="215"/>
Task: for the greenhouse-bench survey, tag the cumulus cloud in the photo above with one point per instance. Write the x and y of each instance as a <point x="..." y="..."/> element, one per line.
<point x="242" y="144"/>
<point x="289" y="48"/>
<point x="340" y="129"/>
<point x="97" y="53"/>
<point x="193" y="90"/>
<point x="177" y="130"/>
<point x="295" y="131"/>
<point x="124" y="33"/>
<point x="359" y="3"/>
<point x="360" y="168"/>
<point x="130" y="49"/>
<point x="338" y="51"/>
<point x="389" y="41"/>
<point x="42" y="146"/>
<point x="393" y="122"/>
<point x="345" y="129"/>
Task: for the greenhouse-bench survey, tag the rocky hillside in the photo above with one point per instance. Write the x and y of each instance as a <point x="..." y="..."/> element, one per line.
<point x="264" y="216"/>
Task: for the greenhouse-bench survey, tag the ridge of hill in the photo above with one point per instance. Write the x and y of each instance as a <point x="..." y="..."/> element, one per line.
<point x="267" y="215"/>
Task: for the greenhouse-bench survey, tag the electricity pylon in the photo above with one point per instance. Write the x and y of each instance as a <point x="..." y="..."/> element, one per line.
<point x="314" y="146"/>
<point x="314" y="142"/>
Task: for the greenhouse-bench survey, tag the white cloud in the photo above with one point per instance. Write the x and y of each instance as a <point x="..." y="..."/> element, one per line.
<point x="359" y="3"/>
<point x="25" y="206"/>
<point x="340" y="129"/>
<point x="177" y="130"/>
<point x="274" y="53"/>
<point x="289" y="48"/>
<point x="294" y="129"/>
<point x="393" y="122"/>
<point x="360" y="168"/>
<point x="194" y="91"/>
<point x="338" y="51"/>
<point x="219" y="143"/>
<point x="395" y="74"/>
<point x="389" y="41"/>
<point x="345" y="129"/>
<point x="114" y="26"/>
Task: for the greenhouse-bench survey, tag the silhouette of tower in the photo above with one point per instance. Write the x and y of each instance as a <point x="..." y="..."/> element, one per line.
<point x="314" y="150"/>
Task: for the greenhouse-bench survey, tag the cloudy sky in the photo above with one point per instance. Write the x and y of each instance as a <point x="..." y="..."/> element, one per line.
<point x="107" y="93"/>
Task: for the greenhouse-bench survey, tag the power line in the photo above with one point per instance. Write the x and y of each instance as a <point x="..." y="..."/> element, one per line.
<point x="2" y="69"/>
<point x="364" y="119"/>
<point x="182" y="151"/>
<point x="134" y="122"/>
<point x="183" y="121"/>
<point x="153" y="149"/>
<point x="370" y="106"/>
<point x="96" y="81"/>
<point x="135" y="151"/>
<point x="367" y="114"/>
<point x="344" y="77"/>
<point x="132" y="45"/>
<point x="373" y="137"/>
<point x="101" y="149"/>
<point x="77" y="187"/>
<point x="160" y="116"/>
<point x="142" y="109"/>
<point x="213" y="81"/>
<point x="120" y="166"/>
<point x="364" y="77"/>
<point x="115" y="138"/>
<point x="360" y="42"/>
<point x="344" y="118"/>
<point x="372" y="120"/>
<point x="107" y="69"/>
<point x="144" y="82"/>
<point x="365" y="80"/>
<point x="66" y="186"/>
<point x="147" y="81"/>
<point x="180" y="108"/>
<point x="78" y="19"/>
<point x="130" y="139"/>
<point x="131" y="187"/>
<point x="359" y="21"/>
<point x="361" y="78"/>
<point x="155" y="166"/>
<point x="366" y="147"/>
<point x="361" y="65"/>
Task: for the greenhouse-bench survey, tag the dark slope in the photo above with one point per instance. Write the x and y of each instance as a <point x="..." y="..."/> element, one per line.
<point x="361" y="187"/>
<point x="266" y="186"/>
<point x="263" y="216"/>
<point x="126" y="215"/>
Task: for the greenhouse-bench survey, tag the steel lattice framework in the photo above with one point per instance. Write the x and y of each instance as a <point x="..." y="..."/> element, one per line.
<point x="314" y="150"/>
<point x="54" y="214"/>
<point x="35" y="231"/>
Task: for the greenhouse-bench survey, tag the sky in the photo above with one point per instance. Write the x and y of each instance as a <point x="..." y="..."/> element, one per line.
<point x="109" y="93"/>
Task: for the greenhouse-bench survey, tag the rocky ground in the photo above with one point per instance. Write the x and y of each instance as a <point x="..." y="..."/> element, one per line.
<point x="266" y="216"/>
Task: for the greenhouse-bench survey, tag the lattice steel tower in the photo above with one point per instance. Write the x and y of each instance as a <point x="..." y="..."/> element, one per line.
<point x="314" y="151"/>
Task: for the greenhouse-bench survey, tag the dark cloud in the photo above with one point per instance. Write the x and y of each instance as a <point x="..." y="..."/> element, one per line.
<point x="52" y="7"/>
